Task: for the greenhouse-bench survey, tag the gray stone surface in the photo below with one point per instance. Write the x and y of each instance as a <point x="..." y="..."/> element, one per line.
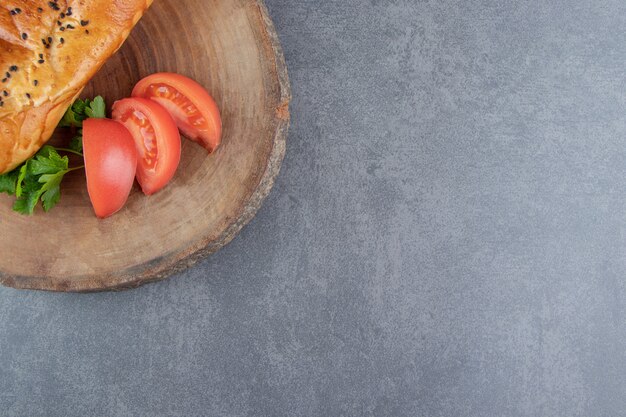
<point x="447" y="237"/>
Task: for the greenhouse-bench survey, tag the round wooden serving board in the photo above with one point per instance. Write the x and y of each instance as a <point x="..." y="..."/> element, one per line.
<point x="231" y="48"/>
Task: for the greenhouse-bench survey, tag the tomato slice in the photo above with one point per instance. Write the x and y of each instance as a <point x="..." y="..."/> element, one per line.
<point x="156" y="138"/>
<point x="110" y="164"/>
<point x="192" y="107"/>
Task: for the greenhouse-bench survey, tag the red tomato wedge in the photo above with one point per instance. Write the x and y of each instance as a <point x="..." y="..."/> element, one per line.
<point x="156" y="138"/>
<point x="110" y="164"/>
<point x="192" y="107"/>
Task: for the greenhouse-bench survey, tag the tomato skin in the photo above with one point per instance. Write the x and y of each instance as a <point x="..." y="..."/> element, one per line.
<point x="110" y="164"/>
<point x="156" y="137"/>
<point x="178" y="94"/>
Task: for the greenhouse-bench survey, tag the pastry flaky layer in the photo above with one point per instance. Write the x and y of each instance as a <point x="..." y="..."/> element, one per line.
<point x="48" y="52"/>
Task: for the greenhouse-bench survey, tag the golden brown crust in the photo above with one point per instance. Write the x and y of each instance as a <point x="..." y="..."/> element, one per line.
<point x="48" y="52"/>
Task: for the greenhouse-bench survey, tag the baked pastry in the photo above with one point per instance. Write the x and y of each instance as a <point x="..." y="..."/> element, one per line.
<point x="48" y="52"/>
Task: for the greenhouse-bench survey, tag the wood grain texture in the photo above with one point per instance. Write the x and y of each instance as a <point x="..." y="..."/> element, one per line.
<point x="232" y="49"/>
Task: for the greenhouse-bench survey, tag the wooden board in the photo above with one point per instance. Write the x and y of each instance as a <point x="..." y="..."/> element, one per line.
<point x="230" y="47"/>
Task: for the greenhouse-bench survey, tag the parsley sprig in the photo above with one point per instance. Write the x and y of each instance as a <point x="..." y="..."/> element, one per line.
<point x="77" y="113"/>
<point x="39" y="178"/>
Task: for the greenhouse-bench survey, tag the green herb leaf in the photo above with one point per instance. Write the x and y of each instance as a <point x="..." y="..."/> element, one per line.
<point x="79" y="106"/>
<point x="46" y="151"/>
<point x="20" y="179"/>
<point x="27" y="191"/>
<point x="51" y="189"/>
<point x="27" y="202"/>
<point x="8" y="182"/>
<point x="40" y="178"/>
<point x="76" y="144"/>
<point x="48" y="161"/>
<point x="78" y="112"/>
<point x="81" y="110"/>
<point x="74" y="115"/>
<point x="97" y="108"/>
<point x="51" y="197"/>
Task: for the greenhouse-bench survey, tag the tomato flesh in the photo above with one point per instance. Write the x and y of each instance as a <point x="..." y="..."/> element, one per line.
<point x="191" y="106"/>
<point x="156" y="139"/>
<point x="110" y="164"/>
<point x="187" y="116"/>
<point x="137" y="123"/>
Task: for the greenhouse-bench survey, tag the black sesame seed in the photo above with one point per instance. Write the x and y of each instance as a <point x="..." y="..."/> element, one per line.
<point x="24" y="36"/>
<point x="18" y="10"/>
<point x="59" y="23"/>
<point x="62" y="15"/>
<point x="35" y="83"/>
<point x="53" y="5"/>
<point x="70" y="26"/>
<point x="84" y="22"/>
<point x="49" y="39"/>
<point x="13" y="68"/>
<point x="4" y="80"/>
<point x="61" y="40"/>
<point x="47" y="46"/>
<point x="40" y="56"/>
<point x="39" y="9"/>
<point x="62" y="29"/>
<point x="43" y="41"/>
<point x="41" y="61"/>
<point x="28" y="96"/>
<point x="8" y="74"/>
<point x="5" y="93"/>
<point x="87" y="31"/>
<point x="13" y="12"/>
<point x="69" y="11"/>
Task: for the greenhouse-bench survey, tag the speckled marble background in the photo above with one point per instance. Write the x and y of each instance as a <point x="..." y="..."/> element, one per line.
<point x="447" y="237"/>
